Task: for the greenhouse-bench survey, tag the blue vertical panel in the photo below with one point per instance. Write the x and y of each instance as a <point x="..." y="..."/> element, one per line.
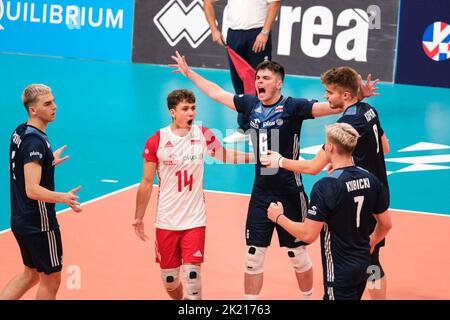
<point x="93" y="29"/>
<point x="424" y="43"/>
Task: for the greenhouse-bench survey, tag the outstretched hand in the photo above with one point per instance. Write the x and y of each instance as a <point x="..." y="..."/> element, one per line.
<point x="57" y="156"/>
<point x="368" y="89"/>
<point x="70" y="198"/>
<point x="181" y="64"/>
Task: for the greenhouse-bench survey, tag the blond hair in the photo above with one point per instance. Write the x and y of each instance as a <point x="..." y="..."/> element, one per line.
<point x="343" y="136"/>
<point x="32" y="92"/>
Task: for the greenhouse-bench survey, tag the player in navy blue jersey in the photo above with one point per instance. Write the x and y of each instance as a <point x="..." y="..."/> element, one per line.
<point x="276" y="121"/>
<point x="341" y="91"/>
<point x="33" y="216"/>
<point x="340" y="210"/>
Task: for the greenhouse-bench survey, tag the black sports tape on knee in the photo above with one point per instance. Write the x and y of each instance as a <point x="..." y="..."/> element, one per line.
<point x="291" y="254"/>
<point x="193" y="275"/>
<point x="170" y="279"/>
<point x="252" y="250"/>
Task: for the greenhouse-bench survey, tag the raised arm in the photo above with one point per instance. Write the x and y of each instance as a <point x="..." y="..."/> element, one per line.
<point x="209" y="88"/>
<point x="368" y="89"/>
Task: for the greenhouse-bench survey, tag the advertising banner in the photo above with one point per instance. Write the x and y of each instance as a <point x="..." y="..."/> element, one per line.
<point x="309" y="36"/>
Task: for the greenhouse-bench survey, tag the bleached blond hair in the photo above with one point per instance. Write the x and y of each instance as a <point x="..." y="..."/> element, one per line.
<point x="343" y="136"/>
<point x="31" y="93"/>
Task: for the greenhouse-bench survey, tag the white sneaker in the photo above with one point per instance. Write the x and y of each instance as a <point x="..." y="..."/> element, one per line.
<point x="235" y="137"/>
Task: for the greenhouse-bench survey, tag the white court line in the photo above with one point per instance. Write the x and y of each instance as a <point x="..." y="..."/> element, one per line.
<point x="215" y="191"/>
<point x="90" y="201"/>
<point x="421" y="212"/>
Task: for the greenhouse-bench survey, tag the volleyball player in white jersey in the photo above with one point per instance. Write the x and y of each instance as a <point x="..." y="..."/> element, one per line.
<point x="177" y="153"/>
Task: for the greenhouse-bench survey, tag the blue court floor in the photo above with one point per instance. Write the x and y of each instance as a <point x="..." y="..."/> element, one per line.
<point x="106" y="111"/>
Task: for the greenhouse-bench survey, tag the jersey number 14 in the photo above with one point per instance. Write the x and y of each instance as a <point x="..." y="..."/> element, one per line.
<point x="184" y="180"/>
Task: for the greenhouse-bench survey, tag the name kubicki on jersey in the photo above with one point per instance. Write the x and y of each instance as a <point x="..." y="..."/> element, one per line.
<point x="358" y="184"/>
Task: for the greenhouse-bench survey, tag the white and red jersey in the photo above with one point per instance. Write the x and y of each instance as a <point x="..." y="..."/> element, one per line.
<point x="181" y="202"/>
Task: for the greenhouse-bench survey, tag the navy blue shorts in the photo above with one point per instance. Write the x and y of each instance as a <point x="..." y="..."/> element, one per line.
<point x="41" y="251"/>
<point x="259" y="228"/>
<point x="344" y="293"/>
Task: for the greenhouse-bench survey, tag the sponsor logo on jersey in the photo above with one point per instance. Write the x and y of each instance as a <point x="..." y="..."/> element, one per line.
<point x="312" y="211"/>
<point x="195" y="141"/>
<point x="191" y="157"/>
<point x="36" y="153"/>
<point x="172" y="161"/>
<point x="279" y="109"/>
<point x="279" y="122"/>
<point x="168" y="144"/>
<point x="255" y="123"/>
<point x="268" y="124"/>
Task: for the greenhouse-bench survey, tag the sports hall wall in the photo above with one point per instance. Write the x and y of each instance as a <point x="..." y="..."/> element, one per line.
<point x="402" y="41"/>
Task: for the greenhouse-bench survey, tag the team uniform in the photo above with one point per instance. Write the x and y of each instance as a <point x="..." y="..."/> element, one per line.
<point x="346" y="200"/>
<point x="368" y="153"/>
<point x="277" y="127"/>
<point x="181" y="216"/>
<point x="34" y="223"/>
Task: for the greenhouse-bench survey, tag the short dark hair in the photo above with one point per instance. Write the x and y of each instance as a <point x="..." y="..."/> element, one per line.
<point x="273" y="66"/>
<point x="344" y="77"/>
<point x="180" y="95"/>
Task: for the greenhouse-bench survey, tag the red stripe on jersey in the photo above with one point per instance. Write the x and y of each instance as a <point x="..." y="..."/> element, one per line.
<point x="151" y="148"/>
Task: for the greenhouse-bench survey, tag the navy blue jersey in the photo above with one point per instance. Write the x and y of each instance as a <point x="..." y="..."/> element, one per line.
<point x="368" y="153"/>
<point x="276" y="127"/>
<point x="29" y="216"/>
<point x="345" y="200"/>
